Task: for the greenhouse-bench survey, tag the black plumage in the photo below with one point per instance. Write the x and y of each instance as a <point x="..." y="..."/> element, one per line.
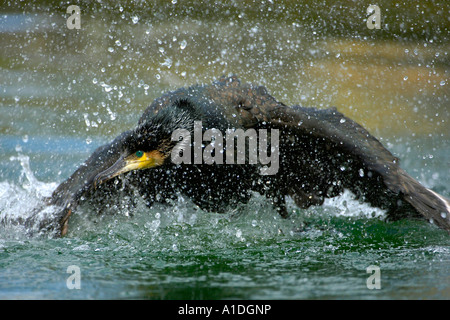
<point x="321" y="152"/>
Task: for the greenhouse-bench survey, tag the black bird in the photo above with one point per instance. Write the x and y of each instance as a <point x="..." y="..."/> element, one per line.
<point x="321" y="152"/>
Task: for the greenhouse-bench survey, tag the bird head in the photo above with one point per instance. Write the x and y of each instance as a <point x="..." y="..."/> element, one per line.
<point x="150" y="144"/>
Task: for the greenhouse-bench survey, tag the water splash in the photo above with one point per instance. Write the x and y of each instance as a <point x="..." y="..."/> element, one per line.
<point x="181" y="224"/>
<point x="18" y="200"/>
<point x="345" y="205"/>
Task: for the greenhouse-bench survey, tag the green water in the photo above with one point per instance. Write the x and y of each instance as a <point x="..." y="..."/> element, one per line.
<point x="65" y="92"/>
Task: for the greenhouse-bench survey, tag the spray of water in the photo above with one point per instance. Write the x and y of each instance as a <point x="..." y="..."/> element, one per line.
<point x="181" y="224"/>
<point x="17" y="200"/>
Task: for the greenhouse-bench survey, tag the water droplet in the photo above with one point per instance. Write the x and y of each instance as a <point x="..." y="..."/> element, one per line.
<point x="167" y="62"/>
<point x="86" y="120"/>
<point x="118" y="43"/>
<point x="94" y="81"/>
<point x="135" y="19"/>
<point x="442" y="83"/>
<point x="361" y="173"/>
<point x="88" y="140"/>
<point x="111" y="49"/>
<point x="183" y="44"/>
<point x="342" y="120"/>
<point x="405" y="78"/>
<point x="444" y="215"/>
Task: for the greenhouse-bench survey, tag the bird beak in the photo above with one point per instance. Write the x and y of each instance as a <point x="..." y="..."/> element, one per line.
<point x="117" y="168"/>
<point x="125" y="164"/>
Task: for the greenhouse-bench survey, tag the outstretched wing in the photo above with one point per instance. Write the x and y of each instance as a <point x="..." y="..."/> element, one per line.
<point x="324" y="151"/>
<point x="372" y="170"/>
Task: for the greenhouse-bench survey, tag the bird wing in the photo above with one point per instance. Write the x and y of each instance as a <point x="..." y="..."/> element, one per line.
<point x="325" y="148"/>
<point x="384" y="178"/>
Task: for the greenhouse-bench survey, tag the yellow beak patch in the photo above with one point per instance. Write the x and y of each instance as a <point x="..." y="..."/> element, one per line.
<point x="135" y="161"/>
<point x="143" y="160"/>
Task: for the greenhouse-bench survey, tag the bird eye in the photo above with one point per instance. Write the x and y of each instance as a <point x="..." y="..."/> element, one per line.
<point x="139" y="153"/>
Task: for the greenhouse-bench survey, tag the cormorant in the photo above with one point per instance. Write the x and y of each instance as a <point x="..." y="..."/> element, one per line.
<point x="316" y="154"/>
